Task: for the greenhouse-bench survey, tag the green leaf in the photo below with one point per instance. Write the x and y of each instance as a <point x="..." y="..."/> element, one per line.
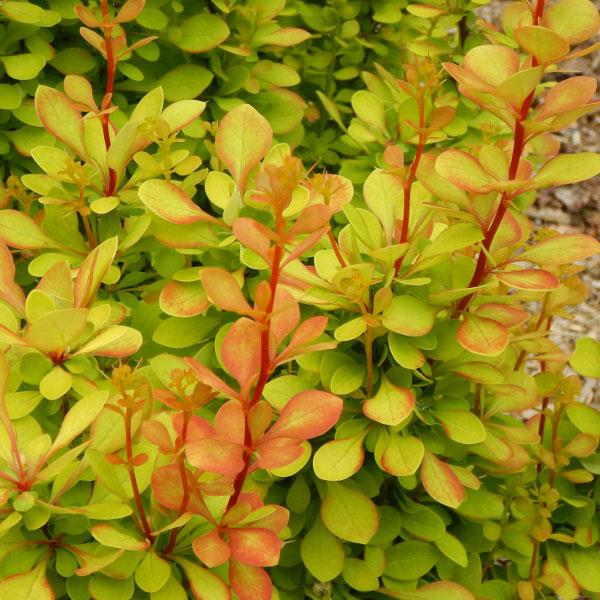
<point x="79" y="418"/>
<point x="409" y="316"/>
<point x="455" y="237"/>
<point x="322" y="553"/>
<point x="409" y="561"/>
<point x="568" y="168"/>
<point x="382" y="192"/>
<point x="200" y="33"/>
<point x="22" y="12"/>
<point x="561" y="249"/>
<point x="447" y="590"/>
<point x="152" y="573"/>
<point x="585" y="418"/>
<point x="404" y="352"/>
<point x="57" y="330"/>
<point x="339" y="459"/>
<point x="20" y="231"/>
<point x="93" y="270"/>
<point x="584" y="565"/>
<point x="461" y="426"/>
<point x="358" y="575"/>
<point x="350" y="330"/>
<point x="103" y="587"/>
<point x="453" y="548"/>
<point x="349" y="514"/>
<point x="176" y="332"/>
<point x="185" y="82"/>
<point x="114" y="536"/>
<point x="23" y="66"/>
<point x="10" y="95"/>
<point x="56" y="383"/>
<point x="586" y="358"/>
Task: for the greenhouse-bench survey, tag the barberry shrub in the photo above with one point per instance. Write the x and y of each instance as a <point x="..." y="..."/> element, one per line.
<point x="251" y="380"/>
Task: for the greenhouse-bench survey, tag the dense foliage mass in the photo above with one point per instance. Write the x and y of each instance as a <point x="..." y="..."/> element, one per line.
<point x="292" y="340"/>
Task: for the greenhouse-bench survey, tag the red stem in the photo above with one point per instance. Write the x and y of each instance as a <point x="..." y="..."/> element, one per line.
<point x="184" y="481"/>
<point x="106" y="101"/>
<point x="410" y="180"/>
<point x="132" y="478"/>
<point x="265" y="369"/>
<point x="518" y="146"/>
<point x="336" y="249"/>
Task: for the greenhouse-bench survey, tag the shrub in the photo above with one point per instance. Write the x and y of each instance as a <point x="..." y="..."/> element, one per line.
<point x="252" y="380"/>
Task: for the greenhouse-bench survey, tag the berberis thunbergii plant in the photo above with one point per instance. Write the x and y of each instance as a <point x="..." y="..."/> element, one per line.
<point x="249" y="379"/>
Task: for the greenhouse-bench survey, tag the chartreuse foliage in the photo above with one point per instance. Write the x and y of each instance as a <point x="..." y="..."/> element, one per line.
<point x="226" y="375"/>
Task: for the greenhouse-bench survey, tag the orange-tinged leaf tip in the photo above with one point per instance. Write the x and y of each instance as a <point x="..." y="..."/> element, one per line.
<point x="483" y="336"/>
<point x="171" y="203"/>
<point x="441" y="482"/>
<point x="243" y="138"/>
<point x="306" y="415"/>
<point x="391" y="404"/>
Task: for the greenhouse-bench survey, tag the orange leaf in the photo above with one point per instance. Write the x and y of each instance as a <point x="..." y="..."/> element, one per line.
<point x="507" y="314"/>
<point x="171" y="203"/>
<point x="253" y="235"/>
<point x="243" y="139"/>
<point x="483" y="336"/>
<point x="249" y="583"/>
<point x="529" y="279"/>
<point x="211" y="549"/>
<point x="308" y="414"/>
<point x="440" y="481"/>
<point x="230" y="422"/>
<point x="285" y="318"/>
<point x="240" y="351"/>
<point x="206" y="376"/>
<point x="567" y="95"/>
<point x="215" y="455"/>
<point x="183" y="299"/>
<point x="168" y="490"/>
<point x="255" y="546"/>
<point x="10" y="292"/>
<point x="492" y="64"/>
<point x="224" y="291"/>
<point x="463" y="170"/>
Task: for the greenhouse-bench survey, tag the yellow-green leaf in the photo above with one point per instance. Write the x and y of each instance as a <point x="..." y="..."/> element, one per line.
<point x="586" y="358"/>
<point x="461" y="426"/>
<point x="339" y="459"/>
<point x="409" y="316"/>
<point x="349" y="514"/>
<point x="391" y="404"/>
<point x="322" y="552"/>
